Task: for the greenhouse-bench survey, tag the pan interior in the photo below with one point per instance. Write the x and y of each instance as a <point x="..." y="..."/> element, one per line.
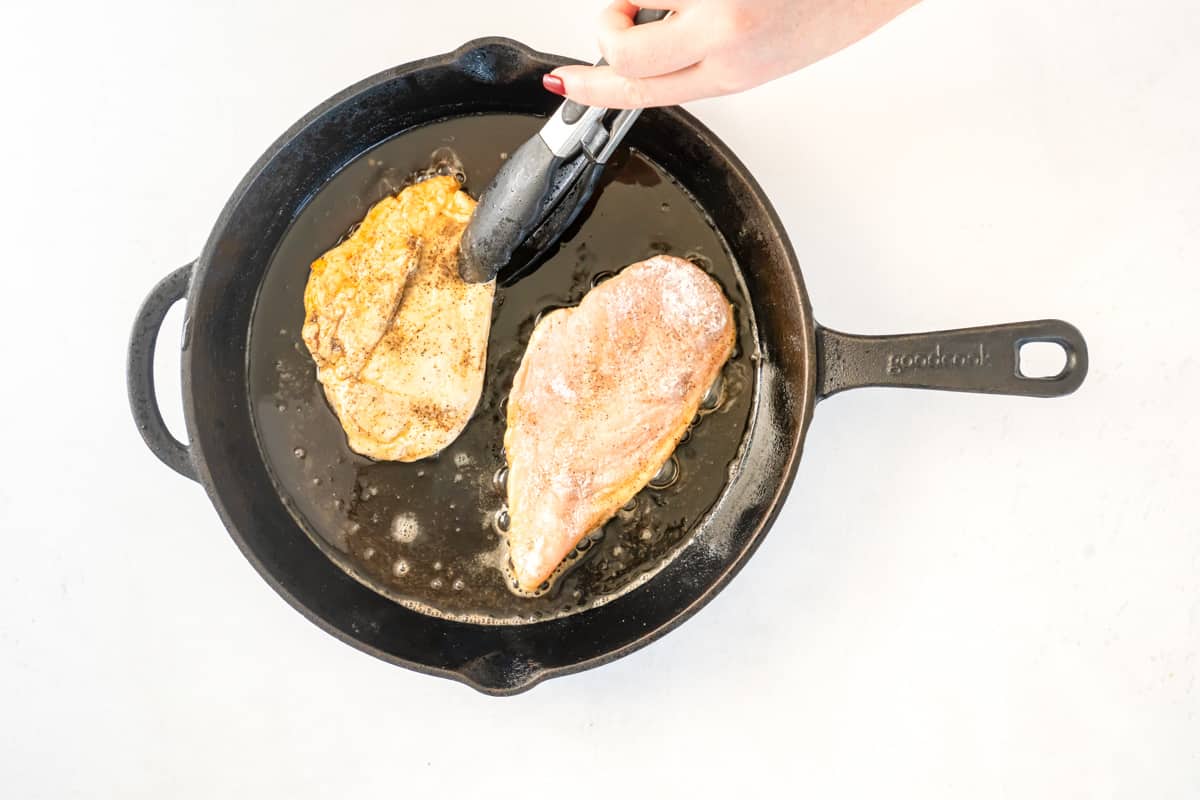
<point x="425" y="534"/>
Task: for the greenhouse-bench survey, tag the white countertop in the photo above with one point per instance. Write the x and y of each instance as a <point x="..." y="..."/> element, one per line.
<point x="964" y="596"/>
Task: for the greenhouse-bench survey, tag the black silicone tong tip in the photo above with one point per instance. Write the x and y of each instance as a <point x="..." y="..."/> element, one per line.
<point x="542" y="243"/>
<point x="510" y="209"/>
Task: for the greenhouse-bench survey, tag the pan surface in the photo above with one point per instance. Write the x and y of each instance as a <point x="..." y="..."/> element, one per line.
<point x="428" y="534"/>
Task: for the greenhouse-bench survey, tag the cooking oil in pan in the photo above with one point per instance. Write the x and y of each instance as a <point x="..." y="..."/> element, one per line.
<point x="430" y="534"/>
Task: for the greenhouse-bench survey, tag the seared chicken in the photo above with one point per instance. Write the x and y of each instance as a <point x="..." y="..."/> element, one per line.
<point x="399" y="339"/>
<point x="603" y="395"/>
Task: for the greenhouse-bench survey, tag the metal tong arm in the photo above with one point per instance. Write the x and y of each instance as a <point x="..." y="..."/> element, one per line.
<point x="574" y="126"/>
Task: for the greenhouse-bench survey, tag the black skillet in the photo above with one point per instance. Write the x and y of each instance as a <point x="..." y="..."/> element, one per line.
<point x="788" y="363"/>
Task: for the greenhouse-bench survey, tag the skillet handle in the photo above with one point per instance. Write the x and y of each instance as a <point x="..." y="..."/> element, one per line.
<point x="985" y="359"/>
<point x="140" y="372"/>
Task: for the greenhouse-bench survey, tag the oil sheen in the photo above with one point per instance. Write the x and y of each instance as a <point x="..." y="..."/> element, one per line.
<point x="430" y="534"/>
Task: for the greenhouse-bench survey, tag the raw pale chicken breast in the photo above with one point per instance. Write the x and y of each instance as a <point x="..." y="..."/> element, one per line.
<point x="603" y="395"/>
<point x="399" y="339"/>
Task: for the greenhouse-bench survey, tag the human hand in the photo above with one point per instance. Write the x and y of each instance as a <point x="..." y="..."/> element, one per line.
<point x="714" y="47"/>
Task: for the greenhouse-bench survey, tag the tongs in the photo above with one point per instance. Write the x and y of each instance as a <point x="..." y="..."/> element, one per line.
<point x="542" y="187"/>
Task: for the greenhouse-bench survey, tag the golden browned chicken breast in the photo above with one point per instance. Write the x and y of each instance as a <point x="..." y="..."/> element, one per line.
<point x="399" y="339"/>
<point x="603" y="395"/>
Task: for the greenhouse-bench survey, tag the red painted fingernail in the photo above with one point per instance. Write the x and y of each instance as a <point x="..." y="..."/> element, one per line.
<point x="553" y="83"/>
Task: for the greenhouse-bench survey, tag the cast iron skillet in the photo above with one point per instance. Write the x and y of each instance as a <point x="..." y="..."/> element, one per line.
<point x="800" y="363"/>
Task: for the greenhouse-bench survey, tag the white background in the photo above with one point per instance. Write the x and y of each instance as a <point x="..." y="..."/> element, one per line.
<point x="964" y="596"/>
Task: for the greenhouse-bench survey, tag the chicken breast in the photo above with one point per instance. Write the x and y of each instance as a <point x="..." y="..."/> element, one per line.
<point x="399" y="339"/>
<point x="603" y="395"/>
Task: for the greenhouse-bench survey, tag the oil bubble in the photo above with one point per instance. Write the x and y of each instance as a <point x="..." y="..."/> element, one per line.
<point x="299" y="452"/>
<point x="667" y="474"/>
<point x="700" y="260"/>
<point x="405" y="527"/>
<point x="502" y="520"/>
<point x="400" y="567"/>
<point x="500" y="480"/>
<point x="458" y="585"/>
<point x="714" y="395"/>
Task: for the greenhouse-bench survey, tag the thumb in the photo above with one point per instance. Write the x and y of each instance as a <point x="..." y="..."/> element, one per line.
<point x="601" y="86"/>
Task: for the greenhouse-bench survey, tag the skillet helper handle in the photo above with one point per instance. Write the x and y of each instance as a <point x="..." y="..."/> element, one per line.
<point x="140" y="372"/>
<point x="985" y="360"/>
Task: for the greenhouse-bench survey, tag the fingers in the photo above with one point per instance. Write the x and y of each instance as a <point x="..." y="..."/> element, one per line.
<point x="620" y="13"/>
<point x="656" y="64"/>
<point x="603" y="86"/>
<point x="617" y="16"/>
<point x="655" y="48"/>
